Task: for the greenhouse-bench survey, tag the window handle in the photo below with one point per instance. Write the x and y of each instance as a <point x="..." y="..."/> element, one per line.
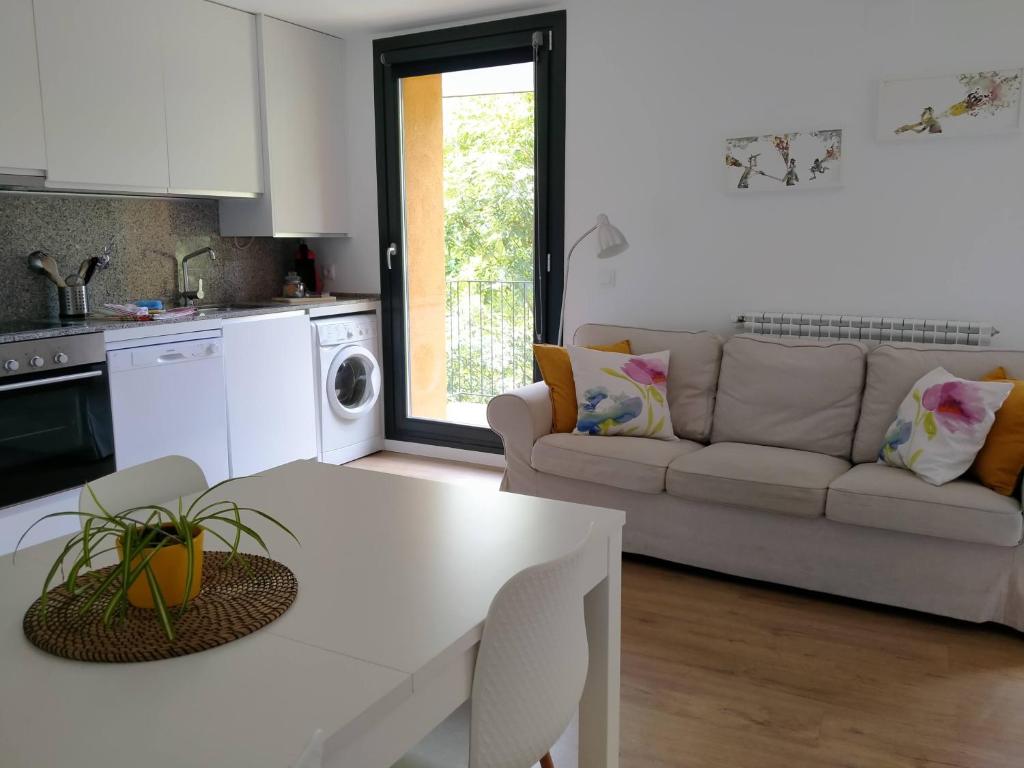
<point x="391" y="251"/>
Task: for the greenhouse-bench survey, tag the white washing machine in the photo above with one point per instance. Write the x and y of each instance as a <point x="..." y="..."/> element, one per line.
<point x="349" y="407"/>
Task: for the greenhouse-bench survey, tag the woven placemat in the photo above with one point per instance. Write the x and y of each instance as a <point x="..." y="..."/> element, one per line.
<point x="233" y="602"/>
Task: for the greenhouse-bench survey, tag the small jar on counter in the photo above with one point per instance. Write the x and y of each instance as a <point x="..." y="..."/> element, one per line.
<point x="293" y="288"/>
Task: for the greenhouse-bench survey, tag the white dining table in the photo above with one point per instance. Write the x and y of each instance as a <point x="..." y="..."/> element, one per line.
<point x="395" y="578"/>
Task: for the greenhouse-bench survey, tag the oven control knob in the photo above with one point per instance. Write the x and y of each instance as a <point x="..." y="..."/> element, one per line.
<point x="60" y="358"/>
<point x="37" y="362"/>
<point x="11" y="366"/>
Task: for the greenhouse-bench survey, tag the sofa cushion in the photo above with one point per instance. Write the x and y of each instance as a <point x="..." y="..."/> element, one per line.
<point x="757" y="477"/>
<point x="878" y="496"/>
<point x="556" y="370"/>
<point x="802" y="394"/>
<point x="692" y="372"/>
<point x="633" y="463"/>
<point x="624" y="395"/>
<point x="892" y="369"/>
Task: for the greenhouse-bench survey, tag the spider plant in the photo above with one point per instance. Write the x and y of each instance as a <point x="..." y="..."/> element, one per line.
<point x="139" y="533"/>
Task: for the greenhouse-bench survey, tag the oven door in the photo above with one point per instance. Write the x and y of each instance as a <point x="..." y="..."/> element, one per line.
<point x="55" y="432"/>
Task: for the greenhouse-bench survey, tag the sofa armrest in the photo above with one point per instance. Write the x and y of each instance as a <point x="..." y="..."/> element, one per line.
<point x="521" y="417"/>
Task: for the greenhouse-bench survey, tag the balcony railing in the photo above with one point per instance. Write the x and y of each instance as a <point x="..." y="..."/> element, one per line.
<point x="490" y="335"/>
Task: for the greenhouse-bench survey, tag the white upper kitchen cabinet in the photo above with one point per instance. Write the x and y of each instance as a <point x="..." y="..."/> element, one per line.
<point x="304" y="139"/>
<point x="21" y="110"/>
<point x="212" y="99"/>
<point x="268" y="371"/>
<point x="103" y="94"/>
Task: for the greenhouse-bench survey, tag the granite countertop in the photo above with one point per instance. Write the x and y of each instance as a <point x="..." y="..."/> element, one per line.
<point x="11" y="331"/>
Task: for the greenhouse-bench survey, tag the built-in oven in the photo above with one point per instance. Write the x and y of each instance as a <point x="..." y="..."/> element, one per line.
<point x="56" y="430"/>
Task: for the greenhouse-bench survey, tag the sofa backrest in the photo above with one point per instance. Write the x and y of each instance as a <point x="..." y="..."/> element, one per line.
<point x="802" y="394"/>
<point x="693" y="365"/>
<point x="893" y="368"/>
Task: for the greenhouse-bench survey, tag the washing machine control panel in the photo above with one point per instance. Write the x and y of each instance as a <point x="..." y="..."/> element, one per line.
<point x="343" y="330"/>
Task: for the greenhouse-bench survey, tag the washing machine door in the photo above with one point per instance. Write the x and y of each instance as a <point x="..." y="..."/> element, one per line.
<point x="353" y="382"/>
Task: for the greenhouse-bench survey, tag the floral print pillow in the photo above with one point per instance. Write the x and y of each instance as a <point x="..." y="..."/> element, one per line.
<point x="621" y="394"/>
<point x="941" y="425"/>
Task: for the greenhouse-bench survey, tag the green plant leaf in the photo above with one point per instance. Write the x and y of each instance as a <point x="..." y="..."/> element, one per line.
<point x="103" y="587"/>
<point x="159" y="604"/>
<point x="73" y="574"/>
<point x="95" y="500"/>
<point x="273" y="520"/>
<point x="248" y="531"/>
<point x="234" y="553"/>
<point x="50" y="517"/>
<point x="208" y="491"/>
<point x="86" y="529"/>
<point x="58" y="563"/>
<point x="190" y="557"/>
<point x="236" y="509"/>
<point x="930" y="427"/>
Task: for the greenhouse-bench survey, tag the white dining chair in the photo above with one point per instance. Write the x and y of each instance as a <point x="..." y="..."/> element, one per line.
<point x="154" y="482"/>
<point x="529" y="676"/>
<point x="313" y="755"/>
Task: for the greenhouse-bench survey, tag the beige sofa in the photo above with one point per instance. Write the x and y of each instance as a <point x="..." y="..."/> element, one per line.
<point x="774" y="475"/>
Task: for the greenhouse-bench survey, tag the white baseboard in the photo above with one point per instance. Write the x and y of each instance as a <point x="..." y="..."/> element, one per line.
<point x="443" y="452"/>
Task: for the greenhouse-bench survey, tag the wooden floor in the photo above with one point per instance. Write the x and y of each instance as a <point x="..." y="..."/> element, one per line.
<point x="720" y="673"/>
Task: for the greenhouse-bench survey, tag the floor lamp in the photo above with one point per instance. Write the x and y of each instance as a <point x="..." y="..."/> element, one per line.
<point x="610" y="241"/>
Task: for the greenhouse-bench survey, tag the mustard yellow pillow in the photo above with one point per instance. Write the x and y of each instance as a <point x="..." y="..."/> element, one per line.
<point x="999" y="463"/>
<point x="556" y="370"/>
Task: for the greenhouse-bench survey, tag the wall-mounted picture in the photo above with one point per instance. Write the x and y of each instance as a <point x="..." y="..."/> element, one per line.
<point x="780" y="162"/>
<point x="968" y="104"/>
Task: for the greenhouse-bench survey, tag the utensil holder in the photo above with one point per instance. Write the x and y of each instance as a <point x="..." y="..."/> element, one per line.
<point x="73" y="301"/>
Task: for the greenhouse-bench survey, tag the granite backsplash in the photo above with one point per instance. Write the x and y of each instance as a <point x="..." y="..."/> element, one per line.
<point x="147" y="232"/>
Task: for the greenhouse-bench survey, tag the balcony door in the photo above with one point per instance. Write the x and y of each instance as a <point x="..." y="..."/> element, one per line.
<point x="470" y="146"/>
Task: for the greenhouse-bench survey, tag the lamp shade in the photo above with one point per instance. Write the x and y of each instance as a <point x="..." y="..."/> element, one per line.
<point x="610" y="240"/>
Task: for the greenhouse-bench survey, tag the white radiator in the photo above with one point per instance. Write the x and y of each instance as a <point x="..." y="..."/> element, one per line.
<point x="863" y="328"/>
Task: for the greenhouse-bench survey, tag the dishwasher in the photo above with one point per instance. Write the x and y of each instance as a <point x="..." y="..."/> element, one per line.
<point x="167" y="397"/>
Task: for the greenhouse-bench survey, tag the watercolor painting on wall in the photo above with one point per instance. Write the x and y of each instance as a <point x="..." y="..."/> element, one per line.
<point x="784" y="161"/>
<point x="968" y="104"/>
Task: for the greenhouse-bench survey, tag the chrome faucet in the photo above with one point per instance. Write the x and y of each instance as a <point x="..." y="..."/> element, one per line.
<point x="186" y="296"/>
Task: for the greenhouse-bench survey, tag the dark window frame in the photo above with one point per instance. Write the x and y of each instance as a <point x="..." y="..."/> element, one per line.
<point x="484" y="44"/>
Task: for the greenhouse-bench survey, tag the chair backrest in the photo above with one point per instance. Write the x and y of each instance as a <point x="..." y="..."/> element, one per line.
<point x="154" y="482"/>
<point x="531" y="666"/>
<point x="313" y="755"/>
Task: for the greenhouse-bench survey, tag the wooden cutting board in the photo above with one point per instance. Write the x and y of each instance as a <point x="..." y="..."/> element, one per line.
<point x="305" y="300"/>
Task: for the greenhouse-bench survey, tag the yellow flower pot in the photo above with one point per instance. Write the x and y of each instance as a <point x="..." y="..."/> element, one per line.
<point x="170" y="567"/>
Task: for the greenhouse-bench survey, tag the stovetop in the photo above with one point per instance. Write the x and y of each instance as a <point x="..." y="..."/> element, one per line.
<point x="17" y="326"/>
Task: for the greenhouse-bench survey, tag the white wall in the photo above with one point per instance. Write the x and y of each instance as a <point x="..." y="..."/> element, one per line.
<point x="654" y="86"/>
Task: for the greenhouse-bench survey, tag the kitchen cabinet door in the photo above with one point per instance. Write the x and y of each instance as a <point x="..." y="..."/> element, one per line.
<point x="268" y="367"/>
<point x="21" y="138"/>
<point x="103" y="94"/>
<point x="306" y="187"/>
<point x="211" y="82"/>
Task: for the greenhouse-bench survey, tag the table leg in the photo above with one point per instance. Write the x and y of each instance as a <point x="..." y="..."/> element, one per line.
<point x="599" y="708"/>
